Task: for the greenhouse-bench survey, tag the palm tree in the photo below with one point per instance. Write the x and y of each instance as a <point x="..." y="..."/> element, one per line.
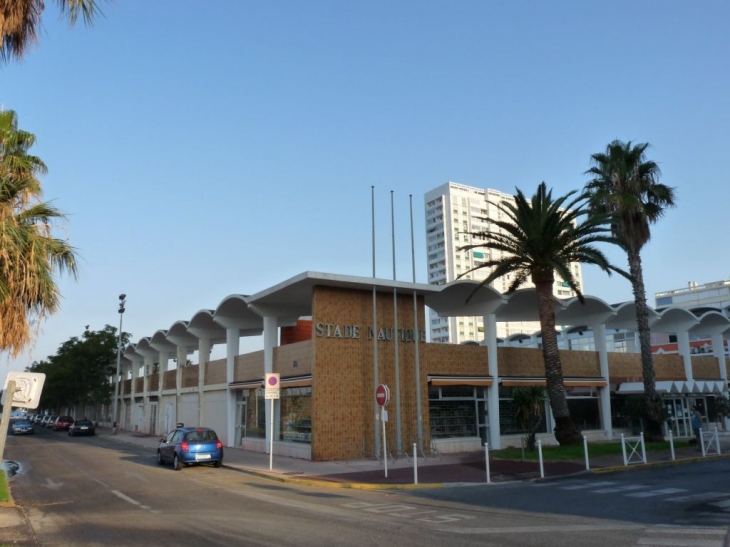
<point x="20" y="19"/>
<point x="626" y="184"/>
<point x="537" y="239"/>
<point x="29" y="254"/>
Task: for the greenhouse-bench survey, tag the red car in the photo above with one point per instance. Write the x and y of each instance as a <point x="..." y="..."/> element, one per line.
<point x="62" y="423"/>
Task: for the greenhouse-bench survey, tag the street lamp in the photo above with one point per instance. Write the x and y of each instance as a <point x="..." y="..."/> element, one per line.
<point x="122" y="302"/>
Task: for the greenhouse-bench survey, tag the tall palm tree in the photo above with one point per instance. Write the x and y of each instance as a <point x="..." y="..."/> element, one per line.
<point x="624" y="182"/>
<point x="29" y="254"/>
<point x="537" y="239"/>
<point x="20" y="19"/>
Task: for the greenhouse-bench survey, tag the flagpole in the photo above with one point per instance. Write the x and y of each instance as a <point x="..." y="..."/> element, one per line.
<point x="398" y="442"/>
<point x="417" y="339"/>
<point x="376" y="380"/>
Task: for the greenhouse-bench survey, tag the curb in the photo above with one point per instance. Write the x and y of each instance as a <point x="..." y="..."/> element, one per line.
<point x="324" y="483"/>
<point x="667" y="463"/>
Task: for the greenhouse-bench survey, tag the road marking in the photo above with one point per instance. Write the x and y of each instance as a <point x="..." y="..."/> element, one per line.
<point x="130" y="500"/>
<point x="722" y="504"/>
<point x="619" y="489"/>
<point x="652" y="493"/>
<point x="674" y="542"/>
<point x="51" y="484"/>
<point x="546" y="529"/>
<point x="409" y="511"/>
<point x="698" y="497"/>
<point x="105" y="485"/>
<point x="588" y="485"/>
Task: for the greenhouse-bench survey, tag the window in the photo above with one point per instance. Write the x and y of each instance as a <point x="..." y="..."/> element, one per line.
<point x="457" y="411"/>
<point x="296" y="414"/>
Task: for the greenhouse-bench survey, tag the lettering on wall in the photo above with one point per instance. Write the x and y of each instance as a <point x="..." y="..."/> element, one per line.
<point x="385" y="334"/>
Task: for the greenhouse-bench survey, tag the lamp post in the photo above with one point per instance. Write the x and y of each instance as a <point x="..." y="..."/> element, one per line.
<point x="122" y="302"/>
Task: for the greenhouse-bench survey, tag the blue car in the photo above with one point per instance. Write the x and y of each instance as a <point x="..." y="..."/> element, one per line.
<point x="22" y="427"/>
<point x="189" y="446"/>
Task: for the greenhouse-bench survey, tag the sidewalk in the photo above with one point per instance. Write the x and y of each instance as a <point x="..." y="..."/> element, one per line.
<point x="432" y="472"/>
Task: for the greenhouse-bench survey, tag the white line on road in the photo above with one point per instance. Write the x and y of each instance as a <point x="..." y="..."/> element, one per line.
<point x="588" y="485"/>
<point x="698" y="497"/>
<point x="130" y="500"/>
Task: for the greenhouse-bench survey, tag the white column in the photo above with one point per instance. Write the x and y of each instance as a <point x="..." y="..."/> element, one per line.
<point x="604" y="393"/>
<point x="182" y="359"/>
<point x="134" y="369"/>
<point x="164" y="358"/>
<point x="203" y="357"/>
<point x="490" y="334"/>
<point x="270" y="342"/>
<point x="718" y="350"/>
<point x="233" y="339"/>
<point x="684" y="351"/>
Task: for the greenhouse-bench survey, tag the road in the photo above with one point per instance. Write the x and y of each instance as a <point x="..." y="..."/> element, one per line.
<point x="90" y="491"/>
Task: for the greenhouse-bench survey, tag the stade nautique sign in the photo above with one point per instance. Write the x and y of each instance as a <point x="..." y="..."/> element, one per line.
<point x="355" y="332"/>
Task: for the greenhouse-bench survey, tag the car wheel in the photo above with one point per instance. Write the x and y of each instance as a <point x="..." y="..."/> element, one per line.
<point x="218" y="463"/>
<point x="70" y="434"/>
<point x="176" y="463"/>
<point x="160" y="461"/>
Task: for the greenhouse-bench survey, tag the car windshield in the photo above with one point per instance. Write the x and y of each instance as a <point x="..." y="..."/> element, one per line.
<point x="199" y="436"/>
<point x="82" y="422"/>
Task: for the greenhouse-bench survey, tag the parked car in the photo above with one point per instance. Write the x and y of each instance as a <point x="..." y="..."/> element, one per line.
<point x="21" y="427"/>
<point x="37" y="418"/>
<point x="62" y="423"/>
<point x="190" y="445"/>
<point x="48" y="421"/>
<point x="82" y="427"/>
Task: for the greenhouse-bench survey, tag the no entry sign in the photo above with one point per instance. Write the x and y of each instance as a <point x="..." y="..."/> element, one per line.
<point x="382" y="394"/>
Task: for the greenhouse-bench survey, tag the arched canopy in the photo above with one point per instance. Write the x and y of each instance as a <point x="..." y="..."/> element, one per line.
<point x="234" y="313"/>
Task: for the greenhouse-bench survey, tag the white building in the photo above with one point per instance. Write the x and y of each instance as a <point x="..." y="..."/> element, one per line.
<point x="453" y="212"/>
<point x="710" y="295"/>
<point x="695" y="297"/>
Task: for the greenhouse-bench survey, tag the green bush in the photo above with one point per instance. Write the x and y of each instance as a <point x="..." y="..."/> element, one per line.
<point x="4" y="490"/>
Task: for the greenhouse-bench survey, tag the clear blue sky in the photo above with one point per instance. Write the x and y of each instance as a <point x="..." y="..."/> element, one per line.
<point x="204" y="149"/>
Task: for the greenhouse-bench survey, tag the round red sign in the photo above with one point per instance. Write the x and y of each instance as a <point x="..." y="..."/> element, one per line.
<point x="382" y="395"/>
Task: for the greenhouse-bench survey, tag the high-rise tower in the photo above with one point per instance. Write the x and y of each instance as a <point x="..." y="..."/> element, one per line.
<point x="453" y="212"/>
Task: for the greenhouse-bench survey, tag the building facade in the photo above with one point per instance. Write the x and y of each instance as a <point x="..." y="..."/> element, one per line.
<point x="453" y="212"/>
<point x="333" y="339"/>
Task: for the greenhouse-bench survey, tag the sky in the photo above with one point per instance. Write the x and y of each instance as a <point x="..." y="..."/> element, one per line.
<point x="200" y="153"/>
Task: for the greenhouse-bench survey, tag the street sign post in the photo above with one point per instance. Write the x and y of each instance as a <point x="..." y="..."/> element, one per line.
<point x="22" y="390"/>
<point x="382" y="397"/>
<point x="272" y="390"/>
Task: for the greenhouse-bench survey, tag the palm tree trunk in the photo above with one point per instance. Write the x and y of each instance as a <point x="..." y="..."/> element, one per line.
<point x="565" y="430"/>
<point x="653" y="404"/>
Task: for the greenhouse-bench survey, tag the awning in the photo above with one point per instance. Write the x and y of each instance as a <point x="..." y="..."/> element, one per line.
<point x="668" y="387"/>
<point x="292" y="381"/>
<point x="297" y="381"/>
<point x="567" y="382"/>
<point x="460" y="380"/>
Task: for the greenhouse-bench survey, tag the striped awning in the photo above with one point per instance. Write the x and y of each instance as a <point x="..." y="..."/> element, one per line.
<point x="668" y="387"/>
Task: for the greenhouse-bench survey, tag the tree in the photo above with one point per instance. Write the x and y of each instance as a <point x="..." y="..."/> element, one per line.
<point x="535" y="240"/>
<point x="21" y="19"/>
<point x="80" y="371"/>
<point x="626" y="184"/>
<point x="29" y="254"/>
<point x="529" y="409"/>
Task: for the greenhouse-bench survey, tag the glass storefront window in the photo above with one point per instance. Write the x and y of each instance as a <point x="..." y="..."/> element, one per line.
<point x="296" y="415"/>
<point x="457" y="411"/>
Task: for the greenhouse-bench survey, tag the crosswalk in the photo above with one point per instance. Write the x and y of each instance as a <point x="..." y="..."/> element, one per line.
<point x="679" y="536"/>
<point x="714" y="509"/>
